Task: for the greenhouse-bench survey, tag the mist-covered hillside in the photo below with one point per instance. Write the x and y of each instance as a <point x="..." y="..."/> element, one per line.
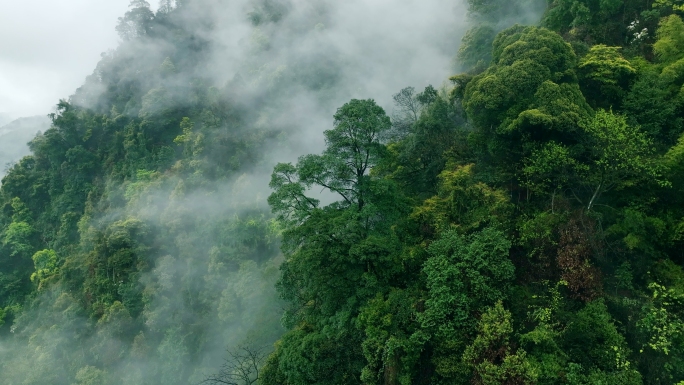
<point x="14" y="138"/>
<point x="365" y="192"/>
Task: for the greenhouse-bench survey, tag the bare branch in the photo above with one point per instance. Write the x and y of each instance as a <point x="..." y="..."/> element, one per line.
<point x="241" y="367"/>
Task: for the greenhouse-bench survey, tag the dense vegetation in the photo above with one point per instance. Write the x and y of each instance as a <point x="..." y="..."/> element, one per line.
<point x="524" y="225"/>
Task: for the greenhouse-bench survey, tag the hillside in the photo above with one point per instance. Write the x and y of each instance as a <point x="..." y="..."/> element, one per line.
<point x="272" y="192"/>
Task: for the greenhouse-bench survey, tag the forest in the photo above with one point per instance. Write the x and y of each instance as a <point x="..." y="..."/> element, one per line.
<point x="520" y="221"/>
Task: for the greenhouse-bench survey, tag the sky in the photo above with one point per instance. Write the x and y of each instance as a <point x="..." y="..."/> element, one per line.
<point x="48" y="47"/>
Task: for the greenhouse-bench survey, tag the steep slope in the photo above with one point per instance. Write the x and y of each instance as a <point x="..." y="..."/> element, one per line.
<point x="136" y="242"/>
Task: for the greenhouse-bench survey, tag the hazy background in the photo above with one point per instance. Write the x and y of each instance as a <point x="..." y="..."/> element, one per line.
<point x="48" y="47"/>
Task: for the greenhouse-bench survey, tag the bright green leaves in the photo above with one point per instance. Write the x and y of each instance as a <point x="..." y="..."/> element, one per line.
<point x="18" y="239"/>
<point x="464" y="273"/>
<point x="640" y="232"/>
<point x="538" y="45"/>
<point x="45" y="262"/>
<point x="554" y="113"/>
<point x="186" y="127"/>
<point x="549" y="168"/>
<point x="663" y="321"/>
<point x="613" y="155"/>
<point x="462" y="203"/>
<point x="491" y="356"/>
<point x="662" y="327"/>
<point x="667" y="5"/>
<point x="620" y="154"/>
<point x="393" y="345"/>
<point x="670" y="44"/>
<point x="605" y="76"/>
<point x="499" y="93"/>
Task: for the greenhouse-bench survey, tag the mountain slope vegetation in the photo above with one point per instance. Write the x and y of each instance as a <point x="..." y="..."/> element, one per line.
<point x="522" y="224"/>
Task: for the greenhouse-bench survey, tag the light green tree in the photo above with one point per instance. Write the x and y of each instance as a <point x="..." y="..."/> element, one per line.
<point x="620" y="154"/>
<point x="45" y="262"/>
<point x="491" y="356"/>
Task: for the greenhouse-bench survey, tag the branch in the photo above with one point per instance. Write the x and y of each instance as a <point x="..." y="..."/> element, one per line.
<point x="240" y="368"/>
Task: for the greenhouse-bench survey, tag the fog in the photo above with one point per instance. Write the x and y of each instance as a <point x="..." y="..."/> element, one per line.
<point x="47" y="48"/>
<point x="289" y="77"/>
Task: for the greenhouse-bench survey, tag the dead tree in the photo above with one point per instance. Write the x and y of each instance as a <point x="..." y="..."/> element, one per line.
<point x="241" y="367"/>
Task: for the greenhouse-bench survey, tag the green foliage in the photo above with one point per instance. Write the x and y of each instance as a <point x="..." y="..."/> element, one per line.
<point x="17" y="239"/>
<point x="393" y="342"/>
<point x="525" y="227"/>
<point x="353" y="148"/>
<point x="670" y="44"/>
<point x="45" y="262"/>
<point x="651" y="104"/>
<point x="595" y="22"/>
<point x="550" y="167"/>
<point x="462" y="203"/>
<point x="463" y="274"/>
<point x="662" y="325"/>
<point x="475" y="50"/>
<point x="619" y="153"/>
<point x="592" y="341"/>
<point x="528" y="95"/>
<point x="415" y="159"/>
<point x="604" y="76"/>
<point x="90" y="375"/>
<point x="490" y="356"/>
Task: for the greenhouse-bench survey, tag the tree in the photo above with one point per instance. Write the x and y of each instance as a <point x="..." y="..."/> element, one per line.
<point x="476" y="47"/>
<point x="463" y="274"/>
<point x="136" y="22"/>
<point x="670" y="44"/>
<point x="241" y="367"/>
<point x="491" y="356"/>
<point x="45" y="262"/>
<point x="409" y="110"/>
<point x="90" y="375"/>
<point x="619" y="155"/>
<point x="337" y="256"/>
<point x="605" y="76"/>
<point x="352" y="148"/>
<point x="529" y="96"/>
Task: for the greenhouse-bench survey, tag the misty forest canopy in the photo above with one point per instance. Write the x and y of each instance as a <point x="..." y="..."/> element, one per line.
<point x="522" y="224"/>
